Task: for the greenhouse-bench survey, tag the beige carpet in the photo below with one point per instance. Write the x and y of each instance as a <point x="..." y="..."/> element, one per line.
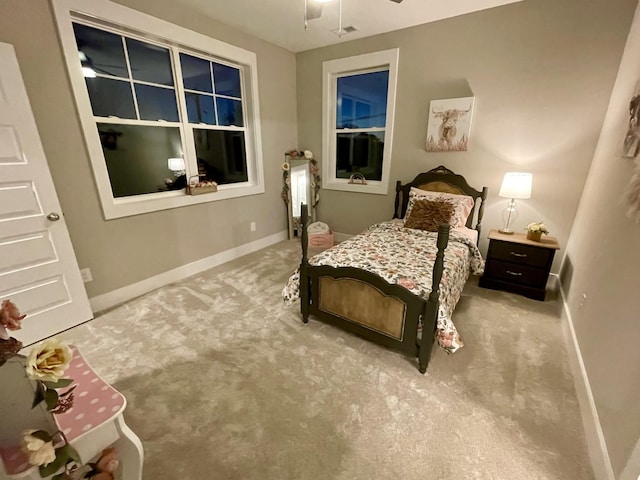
<point x="224" y="382"/>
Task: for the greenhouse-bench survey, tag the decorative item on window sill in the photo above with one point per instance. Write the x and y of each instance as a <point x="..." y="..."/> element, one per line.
<point x="195" y="187"/>
<point x="357" y="179"/>
<point x="535" y="231"/>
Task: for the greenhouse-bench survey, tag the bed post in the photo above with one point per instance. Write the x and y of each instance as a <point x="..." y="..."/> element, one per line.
<point x="304" y="264"/>
<point x="397" y="202"/>
<point x="430" y="315"/>
<point x="485" y="190"/>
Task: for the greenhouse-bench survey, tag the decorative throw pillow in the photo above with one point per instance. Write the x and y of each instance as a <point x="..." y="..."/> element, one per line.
<point x="462" y="204"/>
<point x="429" y="214"/>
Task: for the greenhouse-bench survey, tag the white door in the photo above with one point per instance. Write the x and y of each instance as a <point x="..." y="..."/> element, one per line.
<point x="38" y="269"/>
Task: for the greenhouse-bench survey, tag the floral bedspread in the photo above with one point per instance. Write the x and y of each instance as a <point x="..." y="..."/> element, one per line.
<point x="405" y="256"/>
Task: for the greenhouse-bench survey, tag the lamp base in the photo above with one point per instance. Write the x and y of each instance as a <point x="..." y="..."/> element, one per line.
<point x="506" y="232"/>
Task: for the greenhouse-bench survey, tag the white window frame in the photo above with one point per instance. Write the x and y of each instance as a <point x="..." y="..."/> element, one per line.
<point x="153" y="29"/>
<point x="331" y="71"/>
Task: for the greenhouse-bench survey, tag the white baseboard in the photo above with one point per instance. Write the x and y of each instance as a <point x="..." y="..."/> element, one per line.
<point x="124" y="294"/>
<point x="632" y="468"/>
<point x="596" y="445"/>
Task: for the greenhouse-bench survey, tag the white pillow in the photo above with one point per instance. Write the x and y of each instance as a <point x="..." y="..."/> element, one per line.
<point x="462" y="204"/>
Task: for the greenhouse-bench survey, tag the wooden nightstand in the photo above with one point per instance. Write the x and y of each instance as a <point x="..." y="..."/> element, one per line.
<point x="518" y="265"/>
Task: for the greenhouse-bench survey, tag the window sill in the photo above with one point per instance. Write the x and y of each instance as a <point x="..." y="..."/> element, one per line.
<point x="373" y="187"/>
<point x="127" y="206"/>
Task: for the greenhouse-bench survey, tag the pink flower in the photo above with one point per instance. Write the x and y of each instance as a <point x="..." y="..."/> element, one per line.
<point x="108" y="461"/>
<point x="10" y="318"/>
<point x="445" y="338"/>
<point x="407" y="283"/>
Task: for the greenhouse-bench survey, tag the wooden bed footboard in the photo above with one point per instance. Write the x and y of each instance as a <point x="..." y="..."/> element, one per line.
<point x="363" y="303"/>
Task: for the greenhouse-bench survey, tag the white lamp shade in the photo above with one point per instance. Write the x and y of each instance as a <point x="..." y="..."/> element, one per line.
<point x="516" y="185"/>
<point x="176" y="164"/>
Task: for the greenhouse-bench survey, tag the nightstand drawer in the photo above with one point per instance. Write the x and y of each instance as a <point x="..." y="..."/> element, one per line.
<point x="516" y="273"/>
<point x="521" y="254"/>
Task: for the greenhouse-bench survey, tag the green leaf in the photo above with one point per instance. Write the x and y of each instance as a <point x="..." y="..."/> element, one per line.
<point x="61" y="383"/>
<point x="53" y="467"/>
<point x="51" y="399"/>
<point x="41" y="435"/>
<point x="39" y="395"/>
<point x="69" y="452"/>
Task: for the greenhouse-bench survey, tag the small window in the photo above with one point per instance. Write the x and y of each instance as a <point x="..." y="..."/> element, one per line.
<point x="159" y="113"/>
<point x="359" y="102"/>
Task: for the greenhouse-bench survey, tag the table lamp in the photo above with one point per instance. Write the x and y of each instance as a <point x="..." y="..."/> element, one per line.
<point x="177" y="166"/>
<point x="514" y="185"/>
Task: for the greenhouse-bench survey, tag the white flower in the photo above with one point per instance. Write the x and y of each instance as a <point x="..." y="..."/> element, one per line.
<point x="308" y="154"/>
<point x="285" y="166"/>
<point x="537" y="227"/>
<point x="48" y="361"/>
<point x="39" y="451"/>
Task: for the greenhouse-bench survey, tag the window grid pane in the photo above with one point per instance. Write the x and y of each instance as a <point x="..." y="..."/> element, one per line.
<point x="361" y="100"/>
<point x="360" y="153"/>
<point x="149" y="63"/>
<point x="196" y="74"/>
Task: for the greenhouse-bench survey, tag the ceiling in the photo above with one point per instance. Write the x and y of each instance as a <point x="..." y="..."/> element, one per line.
<point x="282" y="21"/>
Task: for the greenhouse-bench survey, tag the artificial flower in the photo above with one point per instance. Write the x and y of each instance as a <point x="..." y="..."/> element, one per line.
<point x="308" y="154"/>
<point x="108" y="461"/>
<point x="10" y="318"/>
<point x="39" y="451"/>
<point x="48" y="361"/>
<point x="285" y="166"/>
<point x="537" y="227"/>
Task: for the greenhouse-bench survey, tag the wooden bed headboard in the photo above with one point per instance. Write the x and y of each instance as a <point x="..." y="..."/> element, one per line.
<point x="441" y="179"/>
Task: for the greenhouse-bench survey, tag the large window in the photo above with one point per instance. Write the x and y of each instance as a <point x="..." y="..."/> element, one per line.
<point x="359" y="104"/>
<point x="161" y="106"/>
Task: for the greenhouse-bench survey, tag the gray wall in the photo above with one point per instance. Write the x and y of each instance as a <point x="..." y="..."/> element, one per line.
<point x="602" y="262"/>
<point x="541" y="72"/>
<point x="123" y="251"/>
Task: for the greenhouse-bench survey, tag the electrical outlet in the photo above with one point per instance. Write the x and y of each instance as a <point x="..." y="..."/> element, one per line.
<point x="253" y="226"/>
<point x="86" y="275"/>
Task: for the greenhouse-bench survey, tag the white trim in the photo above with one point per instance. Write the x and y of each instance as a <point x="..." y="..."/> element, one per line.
<point x="596" y="444"/>
<point x="632" y="468"/>
<point x="331" y="69"/>
<point x="67" y="10"/>
<point x="124" y="294"/>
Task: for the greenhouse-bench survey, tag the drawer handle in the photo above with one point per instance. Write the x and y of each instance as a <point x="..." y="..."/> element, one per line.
<point x="521" y="255"/>
<point x="515" y="274"/>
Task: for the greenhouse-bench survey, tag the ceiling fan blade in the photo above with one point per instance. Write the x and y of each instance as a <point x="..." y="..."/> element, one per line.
<point x="314" y="10"/>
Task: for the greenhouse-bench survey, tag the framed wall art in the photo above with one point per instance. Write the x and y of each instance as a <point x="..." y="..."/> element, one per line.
<point x="449" y="124"/>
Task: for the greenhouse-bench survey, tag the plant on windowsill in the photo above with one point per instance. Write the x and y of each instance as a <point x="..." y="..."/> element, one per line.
<point x="535" y="231"/>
